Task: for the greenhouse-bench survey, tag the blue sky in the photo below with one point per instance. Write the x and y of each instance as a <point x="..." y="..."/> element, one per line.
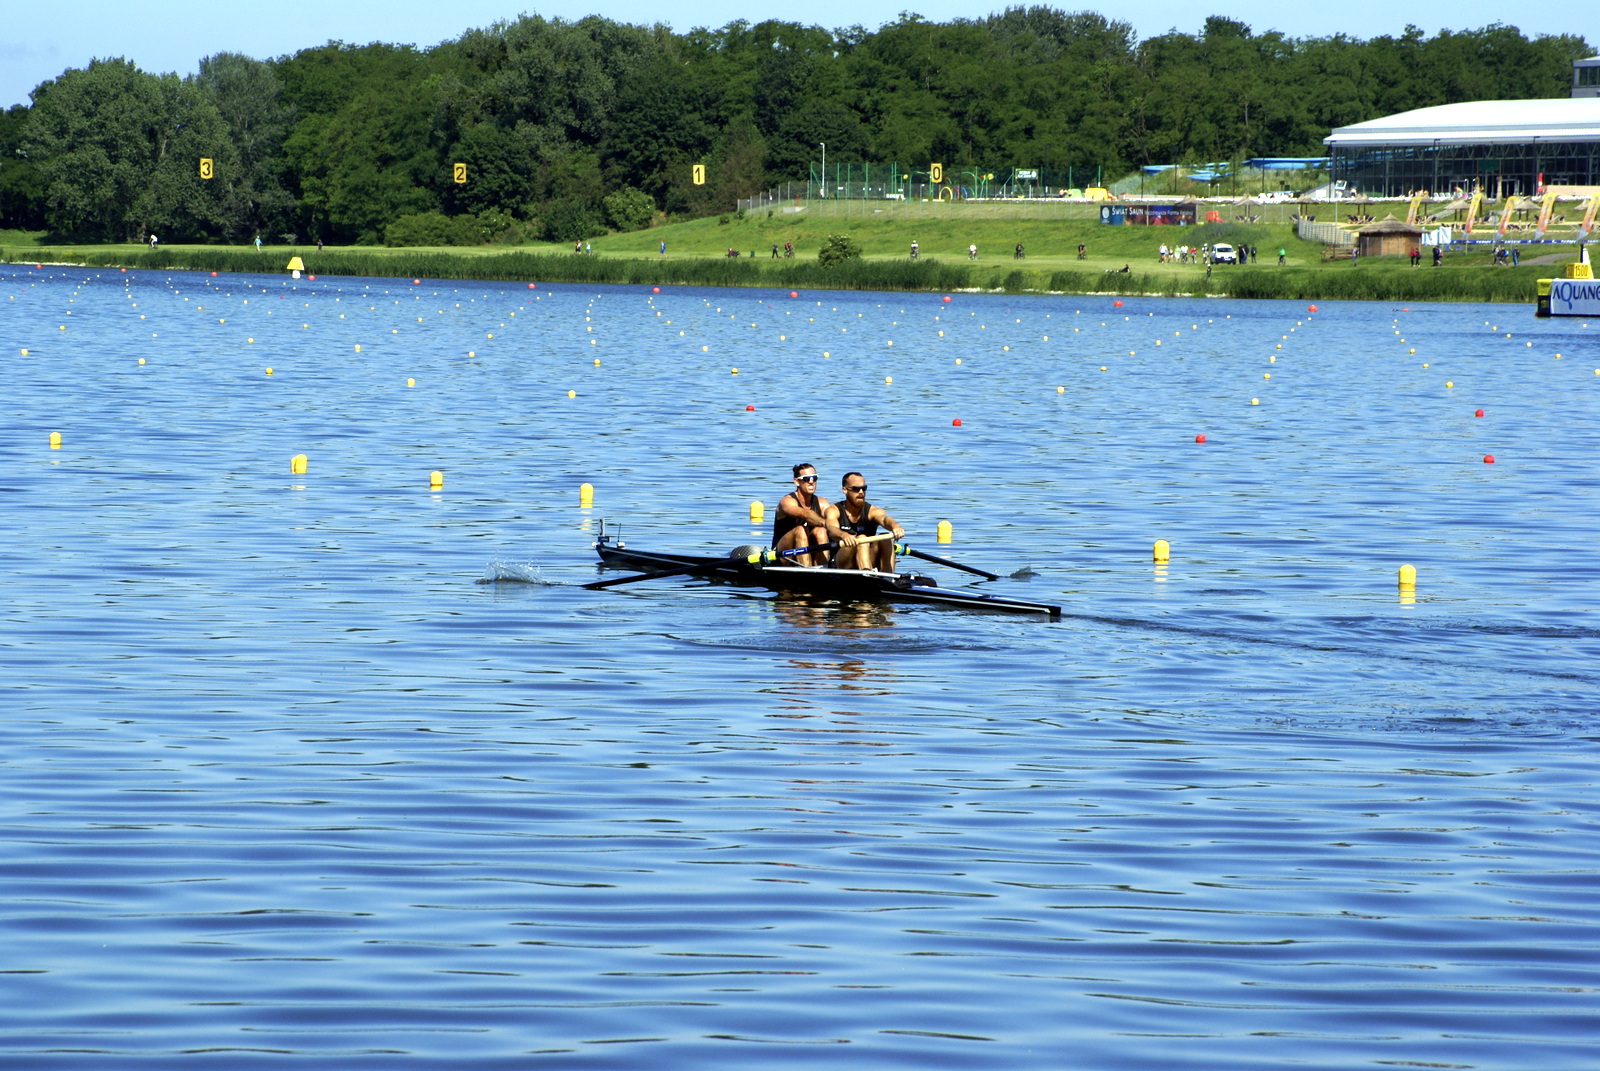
<point x="40" y="40"/>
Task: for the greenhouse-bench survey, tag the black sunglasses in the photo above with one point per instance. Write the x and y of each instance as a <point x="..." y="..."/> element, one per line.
<point x="857" y="487"/>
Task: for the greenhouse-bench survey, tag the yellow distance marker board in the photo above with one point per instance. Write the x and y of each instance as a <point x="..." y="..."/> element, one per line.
<point x="459" y="173"/>
<point x="697" y="174"/>
<point x="207" y="169"/>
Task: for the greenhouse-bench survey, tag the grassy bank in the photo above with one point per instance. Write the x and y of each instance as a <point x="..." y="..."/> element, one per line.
<point x="696" y="257"/>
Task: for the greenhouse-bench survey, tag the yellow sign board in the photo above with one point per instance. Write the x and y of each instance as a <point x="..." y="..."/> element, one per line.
<point x="697" y="174"/>
<point x="459" y="173"/>
<point x="206" y="168"/>
<point x="935" y="172"/>
<point x="295" y="264"/>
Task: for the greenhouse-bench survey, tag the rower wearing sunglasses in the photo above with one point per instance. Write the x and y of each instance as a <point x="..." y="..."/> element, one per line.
<point x="800" y="521"/>
<point x="855" y="518"/>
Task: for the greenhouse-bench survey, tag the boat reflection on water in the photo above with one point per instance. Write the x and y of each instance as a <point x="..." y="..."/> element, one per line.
<point x="839" y="666"/>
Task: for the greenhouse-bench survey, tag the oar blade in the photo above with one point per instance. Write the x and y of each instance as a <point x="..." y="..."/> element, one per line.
<point x="925" y="556"/>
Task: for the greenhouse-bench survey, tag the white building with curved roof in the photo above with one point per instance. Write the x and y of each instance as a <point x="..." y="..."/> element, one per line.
<point x="1498" y="146"/>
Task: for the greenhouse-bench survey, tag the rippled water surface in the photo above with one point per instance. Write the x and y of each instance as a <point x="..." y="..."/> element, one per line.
<point x="336" y="769"/>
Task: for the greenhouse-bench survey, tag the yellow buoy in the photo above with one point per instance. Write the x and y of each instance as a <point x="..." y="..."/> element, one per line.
<point x="943" y="532"/>
<point x="141" y="360"/>
<point x="410" y="382"/>
<point x="1061" y="390"/>
<point x="55" y="440"/>
<point x="1255" y="401"/>
<point x="269" y="371"/>
<point x="1161" y="551"/>
<point x="757" y="512"/>
<point x="435" y="478"/>
<point x="586" y="494"/>
<point x="733" y="371"/>
<point x="297" y="463"/>
<point x="1447" y="383"/>
<point x="1408" y="576"/>
<point x="572" y="394"/>
<point x="888" y="379"/>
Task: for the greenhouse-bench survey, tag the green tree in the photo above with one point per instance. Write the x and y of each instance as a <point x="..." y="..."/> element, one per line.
<point x="838" y="249"/>
<point x="22" y="202"/>
<point x="630" y="209"/>
<point x="118" y="151"/>
<point x="249" y="96"/>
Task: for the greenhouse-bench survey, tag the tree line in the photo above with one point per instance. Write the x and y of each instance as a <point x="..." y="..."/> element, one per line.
<point x="570" y="127"/>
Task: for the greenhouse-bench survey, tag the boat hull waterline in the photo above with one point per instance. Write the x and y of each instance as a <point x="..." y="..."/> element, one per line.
<point x="848" y="585"/>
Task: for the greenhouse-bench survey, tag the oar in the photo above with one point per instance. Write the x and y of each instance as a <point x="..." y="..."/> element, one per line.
<point x="677" y="570"/>
<point x="771" y="556"/>
<point x="903" y="549"/>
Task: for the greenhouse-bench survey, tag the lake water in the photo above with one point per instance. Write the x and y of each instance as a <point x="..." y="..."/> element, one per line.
<point x="334" y="769"/>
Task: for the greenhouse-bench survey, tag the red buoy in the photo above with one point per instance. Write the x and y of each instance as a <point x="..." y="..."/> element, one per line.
<point x="532" y="286"/>
<point x="313" y="278"/>
<point x="416" y="282"/>
<point x="1488" y="459"/>
<point x="956" y="423"/>
<point x="213" y="275"/>
<point x="1116" y="304"/>
<point x="1311" y="308"/>
<point x="794" y="293"/>
<point x="1477" y="412"/>
<point x="123" y="270"/>
<point x="749" y="409"/>
<point x="1199" y="438"/>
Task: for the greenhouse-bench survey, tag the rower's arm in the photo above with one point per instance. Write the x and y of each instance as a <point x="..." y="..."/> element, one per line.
<point x="835" y="533"/>
<point x="888" y="522"/>
<point x="790" y="507"/>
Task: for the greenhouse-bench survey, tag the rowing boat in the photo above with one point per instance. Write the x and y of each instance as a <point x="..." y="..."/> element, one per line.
<point x="757" y="566"/>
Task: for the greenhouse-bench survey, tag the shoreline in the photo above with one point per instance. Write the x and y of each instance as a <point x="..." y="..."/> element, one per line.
<point x="1466" y="283"/>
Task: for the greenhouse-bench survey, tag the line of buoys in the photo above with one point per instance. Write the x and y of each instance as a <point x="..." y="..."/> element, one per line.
<point x="585" y="495"/>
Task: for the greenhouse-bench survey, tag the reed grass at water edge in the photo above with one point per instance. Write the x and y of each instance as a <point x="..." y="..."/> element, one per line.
<point x="1364" y="282"/>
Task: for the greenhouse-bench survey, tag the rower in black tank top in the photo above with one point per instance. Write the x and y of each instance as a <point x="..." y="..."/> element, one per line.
<point x="865" y="526"/>
<point x="783" y="523"/>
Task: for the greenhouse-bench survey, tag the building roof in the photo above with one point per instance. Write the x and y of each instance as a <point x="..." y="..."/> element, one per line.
<point x="1390" y="225"/>
<point x="1483" y="122"/>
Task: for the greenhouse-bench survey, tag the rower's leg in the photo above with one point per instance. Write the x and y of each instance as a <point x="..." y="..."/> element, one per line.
<point x="794" y="537"/>
<point x="885" y="555"/>
<point x="817" y="537"/>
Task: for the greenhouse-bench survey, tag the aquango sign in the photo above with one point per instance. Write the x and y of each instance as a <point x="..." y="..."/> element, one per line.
<point x="1575" y="297"/>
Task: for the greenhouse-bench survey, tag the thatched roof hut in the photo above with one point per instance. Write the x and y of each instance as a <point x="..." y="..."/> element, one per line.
<point x="1389" y="237"/>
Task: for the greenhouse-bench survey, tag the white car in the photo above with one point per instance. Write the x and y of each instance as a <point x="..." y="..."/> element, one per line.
<point x="1223" y="253"/>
